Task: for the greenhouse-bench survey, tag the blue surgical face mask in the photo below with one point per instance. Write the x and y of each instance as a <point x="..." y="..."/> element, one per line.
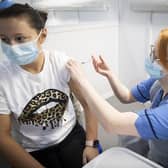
<point x="154" y="69"/>
<point x="21" y="54"/>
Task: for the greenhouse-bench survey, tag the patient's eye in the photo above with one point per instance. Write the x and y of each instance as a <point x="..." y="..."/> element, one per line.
<point x="20" y="39"/>
<point x="5" y="40"/>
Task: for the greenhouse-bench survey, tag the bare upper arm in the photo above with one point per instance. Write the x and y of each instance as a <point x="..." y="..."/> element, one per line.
<point x="5" y="124"/>
<point x="77" y="94"/>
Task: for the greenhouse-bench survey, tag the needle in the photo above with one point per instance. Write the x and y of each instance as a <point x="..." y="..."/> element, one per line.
<point x="85" y="62"/>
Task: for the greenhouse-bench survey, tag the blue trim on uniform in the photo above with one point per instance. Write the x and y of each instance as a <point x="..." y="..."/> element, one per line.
<point x="138" y="88"/>
<point x="150" y="123"/>
<point x="153" y="123"/>
<point x="143" y="127"/>
<point x="141" y="92"/>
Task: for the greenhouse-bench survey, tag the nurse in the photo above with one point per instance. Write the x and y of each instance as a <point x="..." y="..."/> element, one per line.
<point x="150" y="124"/>
<point x="35" y="99"/>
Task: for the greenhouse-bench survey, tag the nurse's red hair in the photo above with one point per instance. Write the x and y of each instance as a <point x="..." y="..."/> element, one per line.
<point x="162" y="48"/>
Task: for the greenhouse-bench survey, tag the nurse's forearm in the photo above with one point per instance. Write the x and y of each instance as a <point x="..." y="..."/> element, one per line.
<point x="90" y="120"/>
<point x="119" y="89"/>
<point x="16" y="155"/>
<point x="111" y="119"/>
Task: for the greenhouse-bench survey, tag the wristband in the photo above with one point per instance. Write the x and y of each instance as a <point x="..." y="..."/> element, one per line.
<point x="94" y="144"/>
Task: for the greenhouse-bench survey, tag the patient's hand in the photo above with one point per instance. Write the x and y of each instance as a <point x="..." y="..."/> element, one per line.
<point x="89" y="153"/>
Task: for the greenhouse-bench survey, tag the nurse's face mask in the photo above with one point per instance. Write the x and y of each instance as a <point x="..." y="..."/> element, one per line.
<point x="152" y="66"/>
<point x="21" y="54"/>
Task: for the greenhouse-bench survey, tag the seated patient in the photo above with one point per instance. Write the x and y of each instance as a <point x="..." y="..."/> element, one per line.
<point x="35" y="99"/>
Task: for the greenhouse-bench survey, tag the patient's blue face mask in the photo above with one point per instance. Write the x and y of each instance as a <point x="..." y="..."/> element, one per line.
<point x="152" y="66"/>
<point x="21" y="54"/>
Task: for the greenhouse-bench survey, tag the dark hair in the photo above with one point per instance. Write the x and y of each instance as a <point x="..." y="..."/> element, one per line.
<point x="36" y="18"/>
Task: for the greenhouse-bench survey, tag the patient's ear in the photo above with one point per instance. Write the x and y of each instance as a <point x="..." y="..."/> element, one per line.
<point x="43" y="35"/>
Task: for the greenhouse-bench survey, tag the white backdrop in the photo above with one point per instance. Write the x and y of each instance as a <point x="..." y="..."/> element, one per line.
<point x="84" y="42"/>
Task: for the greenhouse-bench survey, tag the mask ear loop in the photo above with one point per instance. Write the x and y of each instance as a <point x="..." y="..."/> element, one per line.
<point x="38" y="35"/>
<point x="41" y="50"/>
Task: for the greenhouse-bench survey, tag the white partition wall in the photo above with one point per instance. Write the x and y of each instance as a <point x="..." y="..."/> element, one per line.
<point x="82" y="33"/>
